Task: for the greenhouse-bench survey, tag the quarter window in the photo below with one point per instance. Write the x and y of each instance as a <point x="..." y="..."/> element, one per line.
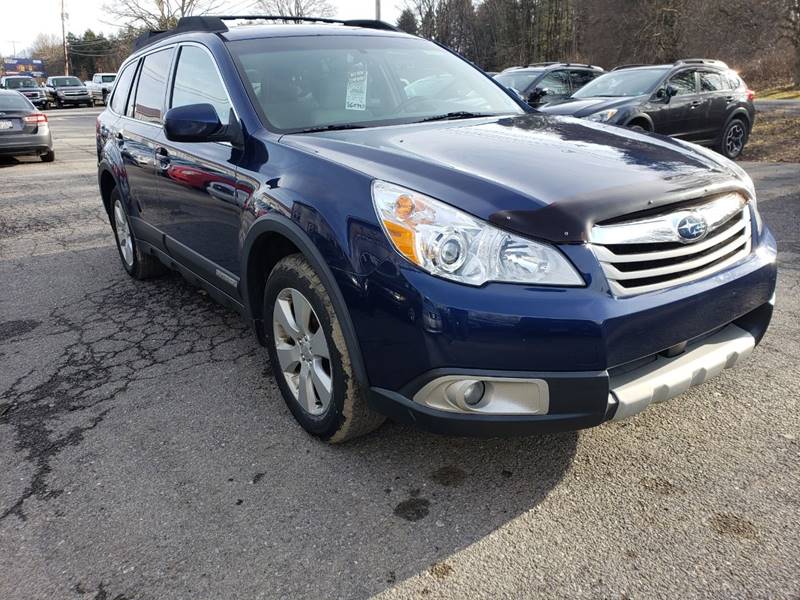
<point x="710" y="82"/>
<point x="123" y="87"/>
<point x="152" y="85"/>
<point x="684" y="82"/>
<point x="197" y="82"/>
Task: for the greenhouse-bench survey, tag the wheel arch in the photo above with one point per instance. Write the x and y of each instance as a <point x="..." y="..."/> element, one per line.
<point x="741" y="114"/>
<point x="271" y="238"/>
<point x="107" y="183"/>
<point x="641" y="118"/>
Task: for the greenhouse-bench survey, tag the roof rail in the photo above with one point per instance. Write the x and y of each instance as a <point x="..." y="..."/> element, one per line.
<point x="216" y="24"/>
<point x="543" y="64"/>
<point x="631" y="66"/>
<point x="701" y="61"/>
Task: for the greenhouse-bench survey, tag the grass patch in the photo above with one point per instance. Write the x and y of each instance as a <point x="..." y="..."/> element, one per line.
<point x="774" y="139"/>
<point x="783" y="92"/>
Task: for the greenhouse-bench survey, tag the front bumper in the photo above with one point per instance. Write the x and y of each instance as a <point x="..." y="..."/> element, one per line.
<point x="86" y="99"/>
<point x="601" y="357"/>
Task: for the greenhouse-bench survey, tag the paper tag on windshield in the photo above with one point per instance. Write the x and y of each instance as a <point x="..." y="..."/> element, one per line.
<point x="356" y="98"/>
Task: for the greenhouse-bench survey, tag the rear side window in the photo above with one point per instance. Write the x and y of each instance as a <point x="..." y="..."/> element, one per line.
<point x="581" y="78"/>
<point x="197" y="82"/>
<point x="711" y="82"/>
<point x="684" y="82"/>
<point x="152" y="86"/>
<point x="120" y="97"/>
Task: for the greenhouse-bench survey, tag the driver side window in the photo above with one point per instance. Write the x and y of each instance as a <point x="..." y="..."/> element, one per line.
<point x="684" y="82"/>
<point x="197" y="82"/>
<point x="556" y="84"/>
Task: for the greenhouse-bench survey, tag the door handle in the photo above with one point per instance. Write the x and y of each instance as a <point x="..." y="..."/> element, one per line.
<point x="162" y="158"/>
<point x="695" y="103"/>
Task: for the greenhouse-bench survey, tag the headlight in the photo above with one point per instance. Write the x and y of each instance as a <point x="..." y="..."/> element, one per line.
<point x="602" y="116"/>
<point x="449" y="243"/>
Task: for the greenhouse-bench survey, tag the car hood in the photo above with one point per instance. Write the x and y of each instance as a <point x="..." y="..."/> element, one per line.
<point x="581" y="107"/>
<point x="542" y="176"/>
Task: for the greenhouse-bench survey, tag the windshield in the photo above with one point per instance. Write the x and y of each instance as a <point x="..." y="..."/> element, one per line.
<point x="14" y="102"/>
<point x="629" y="82"/>
<point x="518" y="81"/>
<point x="345" y="81"/>
<point x="22" y="82"/>
<point x="65" y="81"/>
<point x="108" y="78"/>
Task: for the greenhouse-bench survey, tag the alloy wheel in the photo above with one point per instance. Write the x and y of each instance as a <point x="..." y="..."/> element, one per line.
<point x="123" y="233"/>
<point x="302" y="351"/>
<point x="734" y="140"/>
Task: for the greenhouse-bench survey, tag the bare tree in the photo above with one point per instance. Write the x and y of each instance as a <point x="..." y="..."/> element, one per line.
<point x="297" y="8"/>
<point x="157" y="14"/>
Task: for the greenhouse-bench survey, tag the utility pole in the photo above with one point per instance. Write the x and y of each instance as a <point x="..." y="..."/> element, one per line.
<point x="64" y="39"/>
<point x="377" y="10"/>
<point x="14" y="45"/>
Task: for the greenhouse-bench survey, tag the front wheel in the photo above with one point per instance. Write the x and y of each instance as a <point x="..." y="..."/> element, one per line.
<point x="309" y="356"/>
<point x="734" y="138"/>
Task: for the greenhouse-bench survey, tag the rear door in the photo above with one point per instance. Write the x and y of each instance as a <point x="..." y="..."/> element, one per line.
<point x="199" y="204"/>
<point x="137" y="135"/>
<point x="713" y="89"/>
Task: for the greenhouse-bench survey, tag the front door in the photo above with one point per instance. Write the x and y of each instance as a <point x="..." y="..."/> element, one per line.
<point x="679" y="116"/>
<point x="200" y="205"/>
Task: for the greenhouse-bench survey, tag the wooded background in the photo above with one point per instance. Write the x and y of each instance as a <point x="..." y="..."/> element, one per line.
<point x="760" y="38"/>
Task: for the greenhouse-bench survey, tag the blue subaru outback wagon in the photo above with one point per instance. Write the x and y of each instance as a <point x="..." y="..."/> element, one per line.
<point x="411" y="241"/>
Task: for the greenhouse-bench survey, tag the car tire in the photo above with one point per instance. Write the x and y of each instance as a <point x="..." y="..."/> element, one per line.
<point x="309" y="355"/>
<point x="48" y="156"/>
<point x="733" y="140"/>
<point x="137" y="264"/>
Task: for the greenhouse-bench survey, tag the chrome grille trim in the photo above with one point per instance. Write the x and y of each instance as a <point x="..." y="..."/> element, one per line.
<point x="663" y="227"/>
<point x="672" y="262"/>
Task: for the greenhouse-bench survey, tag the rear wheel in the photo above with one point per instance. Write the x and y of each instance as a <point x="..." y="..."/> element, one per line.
<point x="734" y="138"/>
<point x="48" y="156"/>
<point x="309" y="356"/>
<point x="136" y="263"/>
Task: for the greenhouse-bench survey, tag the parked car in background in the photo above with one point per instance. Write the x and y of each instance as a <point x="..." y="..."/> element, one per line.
<point x="23" y="129"/>
<point x="698" y="100"/>
<point x="26" y="86"/>
<point x="457" y="261"/>
<point x="100" y="86"/>
<point x="66" y="90"/>
<point x="548" y="83"/>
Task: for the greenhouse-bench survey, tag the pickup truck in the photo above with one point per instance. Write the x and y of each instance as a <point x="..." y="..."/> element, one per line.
<point x="66" y="90"/>
<point x="100" y="86"/>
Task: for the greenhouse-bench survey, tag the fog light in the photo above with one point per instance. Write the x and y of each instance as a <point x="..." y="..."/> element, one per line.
<point x="474" y="392"/>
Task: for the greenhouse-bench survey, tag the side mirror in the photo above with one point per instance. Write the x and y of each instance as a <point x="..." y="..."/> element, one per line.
<point x="197" y="123"/>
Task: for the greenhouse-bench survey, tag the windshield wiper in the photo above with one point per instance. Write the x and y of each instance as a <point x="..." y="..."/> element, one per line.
<point x="335" y="127"/>
<point x="458" y="114"/>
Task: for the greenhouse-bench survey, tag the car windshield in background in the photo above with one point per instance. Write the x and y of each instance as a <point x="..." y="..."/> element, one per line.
<point x="518" y="81"/>
<point x="108" y="78"/>
<point x="14" y="102"/>
<point x="309" y="83"/>
<point x="628" y="82"/>
<point x="22" y="82"/>
<point x="65" y="81"/>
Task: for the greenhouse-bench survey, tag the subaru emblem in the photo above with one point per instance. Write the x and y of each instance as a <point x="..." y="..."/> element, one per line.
<point x="692" y="228"/>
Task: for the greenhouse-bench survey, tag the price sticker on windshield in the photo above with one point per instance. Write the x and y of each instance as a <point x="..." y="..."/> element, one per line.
<point x="356" y="97"/>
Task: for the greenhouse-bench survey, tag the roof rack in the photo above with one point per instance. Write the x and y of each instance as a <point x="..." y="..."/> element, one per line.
<point x="701" y="61"/>
<point x="630" y="66"/>
<point x="563" y="64"/>
<point x="216" y="24"/>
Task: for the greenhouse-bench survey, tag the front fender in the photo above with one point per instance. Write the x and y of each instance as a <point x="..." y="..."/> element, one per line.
<point x="280" y="225"/>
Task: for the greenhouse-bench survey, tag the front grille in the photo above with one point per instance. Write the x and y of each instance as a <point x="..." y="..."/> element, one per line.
<point x="633" y="265"/>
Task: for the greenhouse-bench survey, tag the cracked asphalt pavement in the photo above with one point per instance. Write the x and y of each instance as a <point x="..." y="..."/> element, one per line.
<point x="146" y="453"/>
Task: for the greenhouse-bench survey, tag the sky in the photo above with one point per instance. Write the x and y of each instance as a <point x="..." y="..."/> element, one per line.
<point x="18" y="27"/>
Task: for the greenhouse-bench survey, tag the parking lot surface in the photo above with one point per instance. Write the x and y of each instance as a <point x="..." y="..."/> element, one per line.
<point x="146" y="452"/>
